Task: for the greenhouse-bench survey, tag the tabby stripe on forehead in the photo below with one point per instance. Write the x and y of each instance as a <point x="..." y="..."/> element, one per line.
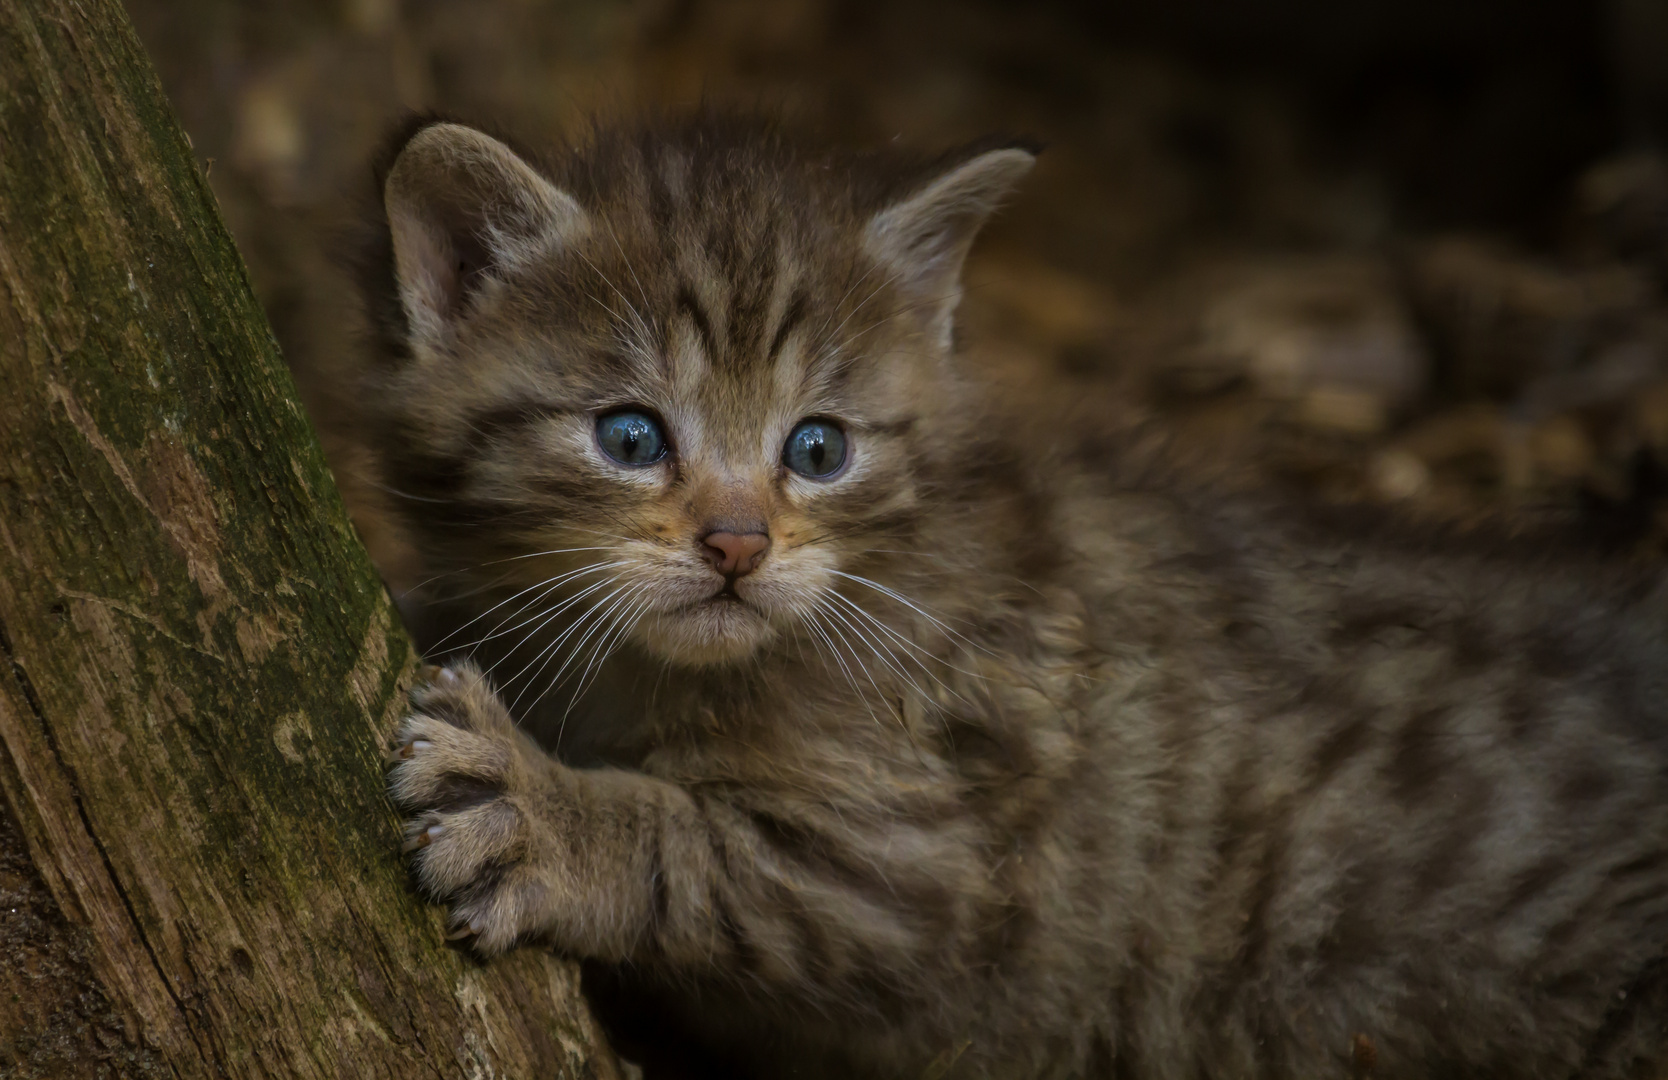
<point x="790" y="319"/>
<point x="689" y="305"/>
<point x="750" y="290"/>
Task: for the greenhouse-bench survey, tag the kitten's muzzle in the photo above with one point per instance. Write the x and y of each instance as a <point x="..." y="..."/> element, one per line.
<point x="735" y="554"/>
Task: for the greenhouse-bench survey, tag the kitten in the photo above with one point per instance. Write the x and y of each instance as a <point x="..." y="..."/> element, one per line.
<point x="886" y="743"/>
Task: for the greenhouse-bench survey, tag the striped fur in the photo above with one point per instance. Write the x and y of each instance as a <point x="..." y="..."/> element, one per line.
<point x="1006" y="764"/>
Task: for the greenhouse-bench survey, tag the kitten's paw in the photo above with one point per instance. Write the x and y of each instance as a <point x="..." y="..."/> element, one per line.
<point x="486" y="807"/>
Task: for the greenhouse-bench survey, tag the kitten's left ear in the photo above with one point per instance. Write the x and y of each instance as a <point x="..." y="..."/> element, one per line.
<point x="924" y="238"/>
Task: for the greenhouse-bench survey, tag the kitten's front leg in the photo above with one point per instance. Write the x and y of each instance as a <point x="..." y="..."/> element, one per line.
<point x="618" y="865"/>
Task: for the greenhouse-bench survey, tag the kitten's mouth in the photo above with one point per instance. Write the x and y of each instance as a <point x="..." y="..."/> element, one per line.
<point x="721" y="627"/>
<point x="724" y="599"/>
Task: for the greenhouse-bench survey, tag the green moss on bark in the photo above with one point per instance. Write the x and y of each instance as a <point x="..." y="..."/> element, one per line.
<point x="200" y="661"/>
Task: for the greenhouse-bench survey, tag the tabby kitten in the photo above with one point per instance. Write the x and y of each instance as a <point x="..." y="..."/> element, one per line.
<point x="807" y="695"/>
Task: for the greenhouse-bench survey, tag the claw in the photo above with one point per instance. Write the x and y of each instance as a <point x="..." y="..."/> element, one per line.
<point x="458" y="933"/>
<point x="413" y="746"/>
<point x="447" y="675"/>
<point x="424" y="838"/>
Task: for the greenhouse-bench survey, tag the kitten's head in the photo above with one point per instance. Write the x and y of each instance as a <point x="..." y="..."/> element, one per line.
<point x="680" y="380"/>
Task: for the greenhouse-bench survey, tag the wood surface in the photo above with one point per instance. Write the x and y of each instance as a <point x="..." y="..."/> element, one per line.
<point x="199" y="868"/>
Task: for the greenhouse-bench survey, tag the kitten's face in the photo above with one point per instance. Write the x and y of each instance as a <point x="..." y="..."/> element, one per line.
<point x="627" y="447"/>
<point x="680" y="410"/>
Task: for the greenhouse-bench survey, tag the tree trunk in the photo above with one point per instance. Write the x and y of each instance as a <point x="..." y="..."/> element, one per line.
<point x="199" y="869"/>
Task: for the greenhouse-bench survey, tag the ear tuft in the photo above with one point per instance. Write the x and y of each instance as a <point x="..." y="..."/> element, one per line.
<point x="462" y="206"/>
<point x="925" y="237"/>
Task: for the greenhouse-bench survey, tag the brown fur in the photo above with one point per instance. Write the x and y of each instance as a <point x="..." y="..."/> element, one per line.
<point x="1003" y="764"/>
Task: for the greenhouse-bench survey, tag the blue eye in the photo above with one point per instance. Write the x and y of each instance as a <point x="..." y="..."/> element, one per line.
<point x="816" y="448"/>
<point x="631" y="438"/>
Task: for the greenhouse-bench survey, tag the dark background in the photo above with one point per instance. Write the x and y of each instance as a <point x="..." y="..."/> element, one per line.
<point x="1397" y="252"/>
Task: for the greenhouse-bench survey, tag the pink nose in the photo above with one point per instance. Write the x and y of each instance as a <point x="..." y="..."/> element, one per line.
<point x="735" y="554"/>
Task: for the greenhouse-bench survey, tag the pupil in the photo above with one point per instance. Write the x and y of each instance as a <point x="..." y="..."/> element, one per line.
<point x="630" y="438"/>
<point x="815" y="448"/>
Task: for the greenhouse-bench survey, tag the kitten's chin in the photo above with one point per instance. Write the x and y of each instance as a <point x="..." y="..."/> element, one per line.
<point x="708" y="634"/>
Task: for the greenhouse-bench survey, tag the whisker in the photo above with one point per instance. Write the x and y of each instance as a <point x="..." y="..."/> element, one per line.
<point x="912" y="605"/>
<point x="641" y="327"/>
<point x="885" y="656"/>
<point x="889" y="316"/>
<point x="913" y="648"/>
<point x="853" y="313"/>
<point x="407" y="494"/>
<point x="634" y="612"/>
<point x="604" y="641"/>
<point x="622" y="594"/>
<point x="641" y="293"/>
<point x="584" y="684"/>
<point x="495" y="562"/>
<point x="846" y="296"/>
<point x="816" y="624"/>
<point x="902" y="639"/>
<point x="550" y="651"/>
<point x="903" y="721"/>
<point x="544" y="620"/>
<point x="538" y="585"/>
<point x="538" y="616"/>
<point x="449" y="596"/>
<point x="624" y="539"/>
<point x="927" y="301"/>
<point x="860" y="528"/>
<point x="813" y="624"/>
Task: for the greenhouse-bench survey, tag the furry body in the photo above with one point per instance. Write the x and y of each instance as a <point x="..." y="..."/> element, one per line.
<point x="1003" y="762"/>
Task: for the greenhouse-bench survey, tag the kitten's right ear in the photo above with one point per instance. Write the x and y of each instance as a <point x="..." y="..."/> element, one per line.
<point x="460" y="206"/>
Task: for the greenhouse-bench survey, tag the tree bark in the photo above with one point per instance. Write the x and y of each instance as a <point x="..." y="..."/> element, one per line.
<point x="199" y="869"/>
